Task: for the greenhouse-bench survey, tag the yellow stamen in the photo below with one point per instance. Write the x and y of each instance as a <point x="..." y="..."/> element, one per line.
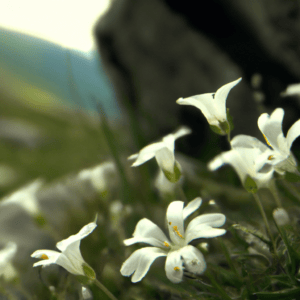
<point x="170" y="223"/>
<point x="267" y="140"/>
<point x="177" y="232"/>
<point x="270" y="157"/>
<point x="176" y="269"/>
<point x="166" y="244"/>
<point x="44" y="256"/>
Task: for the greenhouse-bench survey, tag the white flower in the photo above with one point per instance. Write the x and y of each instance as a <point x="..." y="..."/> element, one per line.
<point x="70" y="256"/>
<point x="249" y="158"/>
<point x="100" y="176"/>
<point x="7" y="270"/>
<point x="26" y="197"/>
<point x="271" y="128"/>
<point x="179" y="254"/>
<point x="163" y="151"/>
<point x="213" y="105"/>
<point x="292" y="90"/>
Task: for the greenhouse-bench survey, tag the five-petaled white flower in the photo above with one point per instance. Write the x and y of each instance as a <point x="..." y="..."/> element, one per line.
<point x="7" y="270"/>
<point x="249" y="159"/>
<point x="70" y="256"/>
<point x="271" y="127"/>
<point x="180" y="255"/>
<point x="163" y="151"/>
<point x="26" y="197"/>
<point x="213" y="106"/>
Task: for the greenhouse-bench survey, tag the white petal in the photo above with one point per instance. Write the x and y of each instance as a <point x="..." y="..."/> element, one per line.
<point x="165" y="159"/>
<point x="191" y="207"/>
<point x="148" y="232"/>
<point x="246" y="141"/>
<point x="7" y="253"/>
<point x="54" y="257"/>
<point x="173" y="267"/>
<point x="193" y="259"/>
<point x="292" y="89"/>
<point x="293" y="133"/>
<point x="146" y="153"/>
<point x="48" y="257"/>
<point x="202" y="227"/>
<point x="204" y="102"/>
<point x="175" y="221"/>
<point x="140" y="261"/>
<point x="222" y="94"/>
<point x="84" y="231"/>
<point x="169" y="141"/>
<point x="271" y="128"/>
<point x="182" y="131"/>
<point x="234" y="159"/>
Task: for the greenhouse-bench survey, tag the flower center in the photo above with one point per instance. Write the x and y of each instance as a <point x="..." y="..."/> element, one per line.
<point x="44" y="256"/>
<point x="270" y="157"/>
<point x="176" y="269"/>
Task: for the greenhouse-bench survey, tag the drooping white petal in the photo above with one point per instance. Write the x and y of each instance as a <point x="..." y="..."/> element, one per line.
<point x="191" y="207"/>
<point x="48" y="257"/>
<point x="271" y="128"/>
<point x="193" y="259"/>
<point x="247" y="141"/>
<point x="222" y="94"/>
<point x="175" y="222"/>
<point x="148" y="232"/>
<point x="204" y="102"/>
<point x="182" y="131"/>
<point x="140" y="261"/>
<point x="293" y="133"/>
<point x="173" y="266"/>
<point x="165" y="159"/>
<point x="146" y="153"/>
<point x="53" y="257"/>
<point x="84" y="231"/>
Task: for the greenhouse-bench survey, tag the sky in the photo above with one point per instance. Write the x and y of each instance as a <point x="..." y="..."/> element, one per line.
<point x="65" y="22"/>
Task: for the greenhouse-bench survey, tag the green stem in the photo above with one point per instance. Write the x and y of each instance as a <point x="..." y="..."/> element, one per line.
<point x="113" y="148"/>
<point x="104" y="290"/>
<point x="275" y="193"/>
<point x="262" y="211"/>
<point x="228" y="257"/>
<point x="217" y="286"/>
<point x="291" y="189"/>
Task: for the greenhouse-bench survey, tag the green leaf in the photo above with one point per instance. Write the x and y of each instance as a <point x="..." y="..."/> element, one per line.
<point x="250" y="185"/>
<point x="287" y="294"/>
<point x="256" y="233"/>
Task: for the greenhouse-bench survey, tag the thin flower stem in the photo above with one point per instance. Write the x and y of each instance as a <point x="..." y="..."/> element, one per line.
<point x="262" y="211"/>
<point x="221" y="291"/>
<point x="291" y="189"/>
<point x="181" y="192"/>
<point x="275" y="193"/>
<point x="229" y="139"/>
<point x="104" y="290"/>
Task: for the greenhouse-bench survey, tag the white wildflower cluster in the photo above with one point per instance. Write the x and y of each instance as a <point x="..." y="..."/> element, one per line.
<point x="255" y="162"/>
